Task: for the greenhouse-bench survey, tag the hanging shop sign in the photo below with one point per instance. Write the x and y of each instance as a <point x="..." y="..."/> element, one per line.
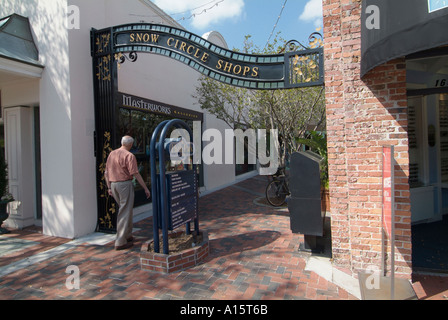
<point x="147" y="105"/>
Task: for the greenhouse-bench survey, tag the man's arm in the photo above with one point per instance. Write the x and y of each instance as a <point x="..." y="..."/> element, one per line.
<point x="142" y="183"/>
<point x="106" y="177"/>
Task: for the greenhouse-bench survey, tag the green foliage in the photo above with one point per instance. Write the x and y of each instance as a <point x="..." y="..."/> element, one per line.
<point x="3" y="176"/>
<point x="292" y="112"/>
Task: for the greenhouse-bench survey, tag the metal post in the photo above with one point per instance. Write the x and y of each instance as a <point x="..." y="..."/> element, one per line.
<point x="160" y="195"/>
<point x="162" y="192"/>
<point x="154" y="189"/>
<point x="392" y="185"/>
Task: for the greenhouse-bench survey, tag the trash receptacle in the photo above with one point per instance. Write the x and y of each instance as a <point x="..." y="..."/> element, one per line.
<point x="304" y="204"/>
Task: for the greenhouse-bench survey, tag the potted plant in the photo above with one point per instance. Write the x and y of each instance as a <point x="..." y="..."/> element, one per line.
<point x="5" y="196"/>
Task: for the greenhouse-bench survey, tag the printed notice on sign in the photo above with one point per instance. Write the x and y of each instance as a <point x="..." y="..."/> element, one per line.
<point x="184" y="200"/>
<point x="388" y="190"/>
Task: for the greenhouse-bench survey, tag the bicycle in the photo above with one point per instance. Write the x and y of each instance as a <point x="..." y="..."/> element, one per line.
<point x="278" y="189"/>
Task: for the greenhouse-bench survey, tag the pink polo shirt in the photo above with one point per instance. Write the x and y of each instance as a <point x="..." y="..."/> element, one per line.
<point x="121" y="166"/>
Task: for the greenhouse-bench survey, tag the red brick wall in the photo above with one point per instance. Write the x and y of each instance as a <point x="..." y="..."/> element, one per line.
<point x="362" y="116"/>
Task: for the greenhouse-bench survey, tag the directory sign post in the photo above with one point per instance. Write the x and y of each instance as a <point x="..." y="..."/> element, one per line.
<point x="175" y="194"/>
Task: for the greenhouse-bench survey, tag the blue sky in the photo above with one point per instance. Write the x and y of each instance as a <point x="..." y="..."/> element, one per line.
<point x="235" y="19"/>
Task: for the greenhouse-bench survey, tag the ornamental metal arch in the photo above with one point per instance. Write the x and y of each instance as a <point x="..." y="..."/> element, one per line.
<point x="285" y="70"/>
<point x="292" y="68"/>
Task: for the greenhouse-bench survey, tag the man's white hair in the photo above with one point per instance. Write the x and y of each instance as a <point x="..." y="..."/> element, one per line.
<point x="127" y="140"/>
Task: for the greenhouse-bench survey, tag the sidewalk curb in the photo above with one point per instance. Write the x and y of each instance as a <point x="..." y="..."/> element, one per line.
<point x="324" y="268"/>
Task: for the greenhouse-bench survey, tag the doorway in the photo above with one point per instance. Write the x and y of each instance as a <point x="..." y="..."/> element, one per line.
<point x="427" y="84"/>
<point x="428" y="179"/>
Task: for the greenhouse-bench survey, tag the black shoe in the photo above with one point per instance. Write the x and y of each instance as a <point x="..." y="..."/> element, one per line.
<point x="124" y="247"/>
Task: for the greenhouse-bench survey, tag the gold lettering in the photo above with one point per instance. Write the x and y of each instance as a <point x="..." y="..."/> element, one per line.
<point x="188" y="50"/>
<point x="228" y="67"/>
<point x="196" y="55"/>
<point x="204" y="57"/>
<point x="155" y="37"/>
<point x="234" y="69"/>
<point x="182" y="46"/>
<point x="237" y="67"/>
<point x="145" y="37"/>
<point x="255" y="72"/>
<point x="219" y="65"/>
<point x="168" y="42"/>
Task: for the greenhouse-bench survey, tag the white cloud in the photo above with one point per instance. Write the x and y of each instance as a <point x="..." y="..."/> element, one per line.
<point x="205" y="12"/>
<point x="313" y="12"/>
<point x="177" y="6"/>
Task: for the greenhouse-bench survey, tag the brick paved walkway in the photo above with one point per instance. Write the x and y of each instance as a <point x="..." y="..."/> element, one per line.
<point x="253" y="256"/>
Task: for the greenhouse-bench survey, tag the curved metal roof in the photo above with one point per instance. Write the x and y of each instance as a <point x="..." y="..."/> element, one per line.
<point x="16" y="40"/>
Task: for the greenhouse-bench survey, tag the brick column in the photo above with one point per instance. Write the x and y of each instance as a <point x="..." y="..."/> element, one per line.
<point x="362" y="116"/>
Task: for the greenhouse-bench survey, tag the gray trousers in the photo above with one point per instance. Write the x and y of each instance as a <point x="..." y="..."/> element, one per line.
<point x="123" y="193"/>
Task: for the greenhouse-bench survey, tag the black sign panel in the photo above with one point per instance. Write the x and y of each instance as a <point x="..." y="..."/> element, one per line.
<point x="262" y="72"/>
<point x="143" y="104"/>
<point x="183" y="197"/>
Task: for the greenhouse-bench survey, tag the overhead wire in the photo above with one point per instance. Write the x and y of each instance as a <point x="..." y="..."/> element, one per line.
<point x="276" y="24"/>
<point x="216" y="3"/>
<point x="203" y="11"/>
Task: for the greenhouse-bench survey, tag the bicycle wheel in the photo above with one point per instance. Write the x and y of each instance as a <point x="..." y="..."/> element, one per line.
<point x="275" y="194"/>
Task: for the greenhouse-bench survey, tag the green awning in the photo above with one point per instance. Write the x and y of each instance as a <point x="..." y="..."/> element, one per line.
<point x="16" y="40"/>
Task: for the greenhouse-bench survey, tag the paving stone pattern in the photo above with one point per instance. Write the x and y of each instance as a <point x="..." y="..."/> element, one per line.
<point x="253" y="256"/>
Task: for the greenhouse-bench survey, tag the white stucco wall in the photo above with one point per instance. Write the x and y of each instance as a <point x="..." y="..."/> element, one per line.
<point x="48" y="18"/>
<point x="64" y="94"/>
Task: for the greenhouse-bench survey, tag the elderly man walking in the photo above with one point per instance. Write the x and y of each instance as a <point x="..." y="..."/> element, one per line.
<point x="121" y="168"/>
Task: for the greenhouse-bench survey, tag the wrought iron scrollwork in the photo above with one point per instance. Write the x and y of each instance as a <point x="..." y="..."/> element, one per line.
<point x="122" y="58"/>
<point x="314" y="40"/>
<point x="107" y="218"/>
<point x="305" y="66"/>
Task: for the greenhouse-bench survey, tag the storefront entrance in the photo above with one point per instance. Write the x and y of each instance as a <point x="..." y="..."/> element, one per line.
<point x="428" y="153"/>
<point x="137" y="117"/>
<point x="139" y="122"/>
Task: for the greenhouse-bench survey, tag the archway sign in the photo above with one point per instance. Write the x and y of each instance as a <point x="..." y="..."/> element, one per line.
<point x="115" y="45"/>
